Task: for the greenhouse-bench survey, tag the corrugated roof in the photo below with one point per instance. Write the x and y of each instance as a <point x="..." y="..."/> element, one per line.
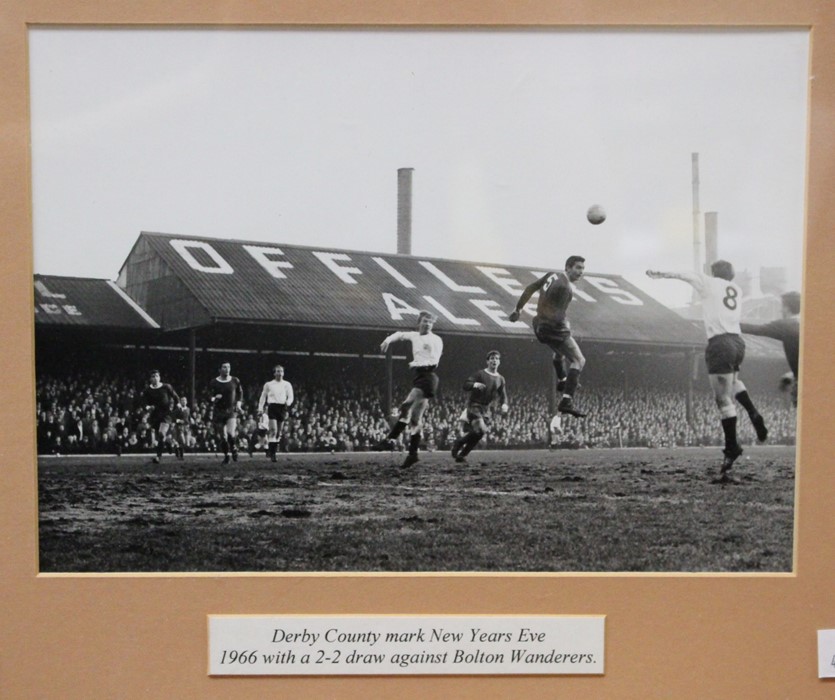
<point x="261" y="282"/>
<point x="75" y="301"/>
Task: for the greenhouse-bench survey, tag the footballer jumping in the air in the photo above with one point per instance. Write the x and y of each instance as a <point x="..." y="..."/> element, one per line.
<point x="426" y="354"/>
<point x="552" y="328"/>
<point x="722" y="308"/>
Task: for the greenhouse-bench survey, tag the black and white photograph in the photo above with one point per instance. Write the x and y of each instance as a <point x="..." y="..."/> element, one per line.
<point x="417" y="300"/>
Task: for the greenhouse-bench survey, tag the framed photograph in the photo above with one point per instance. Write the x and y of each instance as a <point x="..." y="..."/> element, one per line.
<point x="384" y="311"/>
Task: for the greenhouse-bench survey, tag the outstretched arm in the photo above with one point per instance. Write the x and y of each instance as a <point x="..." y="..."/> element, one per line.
<point x="528" y="292"/>
<point x="770" y="330"/>
<point x="691" y="278"/>
<point x="393" y="338"/>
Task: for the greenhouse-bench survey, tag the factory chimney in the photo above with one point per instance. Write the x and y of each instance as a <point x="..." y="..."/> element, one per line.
<point x="404" y="211"/>
<point x="697" y="243"/>
<point x="711" y="239"/>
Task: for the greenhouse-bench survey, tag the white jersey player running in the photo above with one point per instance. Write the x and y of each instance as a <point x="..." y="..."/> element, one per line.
<point x="276" y="398"/>
<point x="427" y="349"/>
<point x="722" y="309"/>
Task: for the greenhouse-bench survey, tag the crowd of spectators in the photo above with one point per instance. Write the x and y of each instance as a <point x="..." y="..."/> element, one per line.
<point x="96" y="411"/>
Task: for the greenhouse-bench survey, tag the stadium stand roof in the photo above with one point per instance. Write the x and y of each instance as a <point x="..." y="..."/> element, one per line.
<point x="192" y="282"/>
<point x="86" y="303"/>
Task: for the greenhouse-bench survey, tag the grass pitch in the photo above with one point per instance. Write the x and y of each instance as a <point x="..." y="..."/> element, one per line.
<point x="636" y="510"/>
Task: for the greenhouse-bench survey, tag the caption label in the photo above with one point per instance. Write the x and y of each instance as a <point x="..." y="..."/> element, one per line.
<point x="404" y="645"/>
<point x="826" y="653"/>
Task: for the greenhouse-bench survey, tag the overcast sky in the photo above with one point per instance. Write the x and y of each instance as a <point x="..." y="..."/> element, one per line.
<point x="295" y="137"/>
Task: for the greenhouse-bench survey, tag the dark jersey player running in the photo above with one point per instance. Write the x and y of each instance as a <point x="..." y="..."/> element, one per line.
<point x="485" y="386"/>
<point x="159" y="399"/>
<point x="227" y="395"/>
<point x="552" y="328"/>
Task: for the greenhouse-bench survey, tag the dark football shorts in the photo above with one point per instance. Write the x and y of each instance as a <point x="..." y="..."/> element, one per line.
<point x="724" y="353"/>
<point x="426" y="380"/>
<point x="551" y="334"/>
<point x="277" y="411"/>
<point x="157" y="418"/>
<point x="222" y="415"/>
<point x="477" y="411"/>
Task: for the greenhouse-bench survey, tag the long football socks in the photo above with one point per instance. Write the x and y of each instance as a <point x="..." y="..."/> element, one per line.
<point x="571" y="382"/>
<point x="464" y="445"/>
<point x="756" y="419"/>
<point x="414" y="443"/>
<point x="559" y="368"/>
<point x="396" y="429"/>
<point x="470" y="442"/>
<point x="729" y="428"/>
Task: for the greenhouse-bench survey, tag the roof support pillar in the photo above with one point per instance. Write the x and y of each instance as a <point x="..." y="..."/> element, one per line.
<point x="691" y="372"/>
<point x="192" y="365"/>
<point x="552" y="393"/>
<point x="389" y="381"/>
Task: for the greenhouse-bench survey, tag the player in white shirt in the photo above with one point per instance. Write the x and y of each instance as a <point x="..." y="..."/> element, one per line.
<point x="426" y="353"/>
<point x="722" y="309"/>
<point x="276" y="398"/>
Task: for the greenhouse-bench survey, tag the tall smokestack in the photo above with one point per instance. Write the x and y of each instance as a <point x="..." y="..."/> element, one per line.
<point x="711" y="239"/>
<point x="404" y="210"/>
<point x="697" y="243"/>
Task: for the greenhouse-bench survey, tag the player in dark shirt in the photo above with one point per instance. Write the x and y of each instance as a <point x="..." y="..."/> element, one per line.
<point x="227" y="396"/>
<point x="786" y="330"/>
<point x="158" y="398"/>
<point x="551" y="326"/>
<point x="485" y="386"/>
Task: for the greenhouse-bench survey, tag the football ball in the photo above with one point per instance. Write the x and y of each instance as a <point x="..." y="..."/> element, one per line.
<point x="595" y="214"/>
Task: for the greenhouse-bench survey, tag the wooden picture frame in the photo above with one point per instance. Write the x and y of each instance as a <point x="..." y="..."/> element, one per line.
<point x="144" y="635"/>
